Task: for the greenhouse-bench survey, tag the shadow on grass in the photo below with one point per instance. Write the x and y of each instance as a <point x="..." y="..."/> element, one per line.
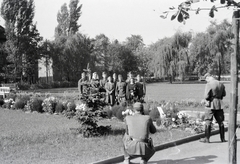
<point x="116" y="132"/>
<point x="195" y="160"/>
<point x="112" y="132"/>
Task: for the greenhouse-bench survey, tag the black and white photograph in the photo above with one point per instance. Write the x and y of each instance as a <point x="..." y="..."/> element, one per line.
<point x="119" y="81"/>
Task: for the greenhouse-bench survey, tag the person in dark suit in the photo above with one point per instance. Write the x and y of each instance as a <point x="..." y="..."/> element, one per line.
<point x="110" y="92"/>
<point x="141" y="89"/>
<point x="95" y="84"/>
<point x="136" y="140"/>
<point x="83" y="84"/>
<point x="129" y="76"/>
<point x="131" y="91"/>
<point x="103" y="81"/>
<point x="115" y="80"/>
<point x="121" y="89"/>
<point x="214" y="93"/>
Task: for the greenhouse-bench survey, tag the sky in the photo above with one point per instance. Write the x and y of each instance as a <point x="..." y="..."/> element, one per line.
<point x="119" y="19"/>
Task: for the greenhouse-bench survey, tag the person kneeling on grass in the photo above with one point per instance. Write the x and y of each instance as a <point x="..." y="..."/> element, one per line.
<point x="136" y="141"/>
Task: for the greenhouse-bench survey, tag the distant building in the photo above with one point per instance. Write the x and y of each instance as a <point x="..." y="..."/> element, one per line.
<point x="45" y="72"/>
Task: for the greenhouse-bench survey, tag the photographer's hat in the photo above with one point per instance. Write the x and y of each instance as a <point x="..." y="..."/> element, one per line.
<point x="138" y="106"/>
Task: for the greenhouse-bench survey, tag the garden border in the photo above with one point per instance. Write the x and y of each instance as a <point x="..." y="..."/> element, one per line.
<point x="120" y="158"/>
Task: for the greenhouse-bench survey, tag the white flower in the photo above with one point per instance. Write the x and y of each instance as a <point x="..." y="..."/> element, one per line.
<point x="81" y="107"/>
<point x="173" y="119"/>
<point x="127" y="112"/>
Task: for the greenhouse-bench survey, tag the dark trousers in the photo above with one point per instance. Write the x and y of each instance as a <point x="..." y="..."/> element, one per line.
<point x="218" y="114"/>
<point x="145" y="157"/>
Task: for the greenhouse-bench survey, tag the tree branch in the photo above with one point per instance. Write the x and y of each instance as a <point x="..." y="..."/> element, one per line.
<point x="182" y="12"/>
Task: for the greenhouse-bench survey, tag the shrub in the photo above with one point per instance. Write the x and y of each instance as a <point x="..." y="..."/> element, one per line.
<point x="59" y="108"/>
<point x="8" y="103"/>
<point x="64" y="103"/>
<point x="74" y="84"/>
<point x="21" y="101"/>
<point x="89" y="117"/>
<point x="41" y="85"/>
<point x="64" y="84"/>
<point x="49" y="104"/>
<point x="1" y="102"/>
<point x="37" y="105"/>
<point x="33" y="86"/>
<point x="154" y="114"/>
<point x="24" y="86"/>
<point x="11" y="96"/>
<point x="119" y="113"/>
<point x="115" y="109"/>
<point x="109" y="112"/>
<point x="19" y="104"/>
<point x="24" y="98"/>
<point x="55" y="84"/>
<point x="71" y="106"/>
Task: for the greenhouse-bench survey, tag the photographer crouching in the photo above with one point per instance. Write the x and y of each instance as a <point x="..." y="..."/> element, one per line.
<point x="136" y="141"/>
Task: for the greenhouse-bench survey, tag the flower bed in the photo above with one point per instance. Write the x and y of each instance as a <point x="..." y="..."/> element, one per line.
<point x="89" y="110"/>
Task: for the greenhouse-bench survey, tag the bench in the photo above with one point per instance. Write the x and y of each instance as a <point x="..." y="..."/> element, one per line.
<point x="12" y="86"/>
<point x="4" y="91"/>
<point x="7" y="88"/>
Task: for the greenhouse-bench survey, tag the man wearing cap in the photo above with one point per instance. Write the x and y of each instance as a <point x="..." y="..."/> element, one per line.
<point x="136" y="140"/>
<point x="214" y="93"/>
<point x="141" y="89"/>
<point x="94" y="84"/>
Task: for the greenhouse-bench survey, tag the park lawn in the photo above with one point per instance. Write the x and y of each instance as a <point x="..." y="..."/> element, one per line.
<point x="45" y="139"/>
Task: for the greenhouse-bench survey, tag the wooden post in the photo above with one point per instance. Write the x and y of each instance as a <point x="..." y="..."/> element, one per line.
<point x="232" y="139"/>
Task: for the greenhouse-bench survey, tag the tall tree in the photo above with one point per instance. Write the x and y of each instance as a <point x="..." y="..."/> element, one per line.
<point x="101" y="45"/>
<point x="63" y="21"/>
<point x="221" y="36"/>
<point x="74" y="15"/>
<point x="121" y="59"/>
<point x="71" y="55"/>
<point x="134" y="42"/>
<point x="67" y="19"/>
<point x="22" y="36"/>
<point x="201" y="58"/>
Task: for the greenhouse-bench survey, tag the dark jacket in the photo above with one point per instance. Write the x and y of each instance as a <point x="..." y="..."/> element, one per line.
<point x="214" y="92"/>
<point x="138" y="128"/>
<point x="83" y="86"/>
<point x="121" y="89"/>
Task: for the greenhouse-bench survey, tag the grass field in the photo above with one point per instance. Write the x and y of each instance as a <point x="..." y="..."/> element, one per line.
<point x="177" y="92"/>
<point x="49" y="139"/>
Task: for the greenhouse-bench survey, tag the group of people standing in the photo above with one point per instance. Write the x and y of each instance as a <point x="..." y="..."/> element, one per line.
<point x="113" y="89"/>
<point x="136" y="141"/>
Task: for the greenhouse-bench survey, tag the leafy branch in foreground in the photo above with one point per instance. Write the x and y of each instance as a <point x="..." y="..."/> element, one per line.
<point x="182" y="12"/>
